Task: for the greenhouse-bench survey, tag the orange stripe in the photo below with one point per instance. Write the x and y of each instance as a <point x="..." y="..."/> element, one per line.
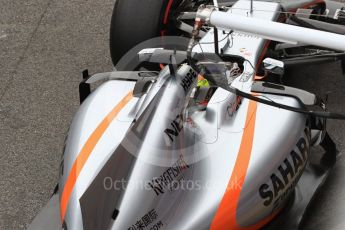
<point x="308" y="5"/>
<point x="86" y="151"/>
<point x="263" y="53"/>
<point x="200" y="77"/>
<point x="258" y="78"/>
<point x="225" y="217"/>
<point x="314" y="3"/>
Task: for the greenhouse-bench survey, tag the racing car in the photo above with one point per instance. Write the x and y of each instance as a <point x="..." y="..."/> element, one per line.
<point x="195" y="129"/>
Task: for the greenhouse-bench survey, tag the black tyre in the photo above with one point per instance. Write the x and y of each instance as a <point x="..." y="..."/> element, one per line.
<point x="135" y="21"/>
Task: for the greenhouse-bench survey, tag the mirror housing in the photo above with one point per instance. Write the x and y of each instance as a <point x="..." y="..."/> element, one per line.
<point x="273" y="66"/>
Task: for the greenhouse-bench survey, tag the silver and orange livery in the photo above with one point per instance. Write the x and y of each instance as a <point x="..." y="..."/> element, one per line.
<point x="152" y="161"/>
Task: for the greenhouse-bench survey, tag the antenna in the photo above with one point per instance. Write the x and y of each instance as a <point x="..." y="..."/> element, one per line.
<point x="215" y="3"/>
<point x="215" y="31"/>
<point x="251" y="6"/>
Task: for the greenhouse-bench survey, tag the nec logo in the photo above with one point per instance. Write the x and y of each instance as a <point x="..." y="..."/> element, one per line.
<point x="174" y="130"/>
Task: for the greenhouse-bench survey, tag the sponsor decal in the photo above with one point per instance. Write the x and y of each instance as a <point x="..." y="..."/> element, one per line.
<point x="188" y="80"/>
<point x="170" y="177"/>
<point x="245" y="76"/>
<point x="244" y="35"/>
<point x="245" y="52"/>
<point x="238" y="102"/>
<point x="174" y="130"/>
<point x="286" y="177"/>
<point x="234" y="106"/>
<point x="147" y="222"/>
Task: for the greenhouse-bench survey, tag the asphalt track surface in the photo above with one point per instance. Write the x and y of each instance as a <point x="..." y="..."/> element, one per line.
<point x="44" y="46"/>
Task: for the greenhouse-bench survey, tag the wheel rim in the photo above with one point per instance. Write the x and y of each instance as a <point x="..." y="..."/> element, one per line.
<point x="170" y="24"/>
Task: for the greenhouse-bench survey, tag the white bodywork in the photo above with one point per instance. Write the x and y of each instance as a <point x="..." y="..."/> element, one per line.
<point x="210" y="142"/>
<point x="273" y="30"/>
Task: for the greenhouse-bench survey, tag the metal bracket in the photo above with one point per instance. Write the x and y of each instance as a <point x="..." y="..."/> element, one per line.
<point x="204" y="13"/>
<point x="84" y="87"/>
<point x="265" y="87"/>
<point x="141" y="77"/>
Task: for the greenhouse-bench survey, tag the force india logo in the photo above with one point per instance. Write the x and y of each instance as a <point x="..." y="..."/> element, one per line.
<point x="169" y="178"/>
<point x="286" y="177"/>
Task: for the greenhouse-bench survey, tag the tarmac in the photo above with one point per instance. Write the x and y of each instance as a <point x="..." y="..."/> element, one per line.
<point x="44" y="46"/>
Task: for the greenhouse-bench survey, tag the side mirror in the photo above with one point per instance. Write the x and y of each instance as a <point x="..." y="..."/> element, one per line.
<point x="273" y="66"/>
<point x="145" y="54"/>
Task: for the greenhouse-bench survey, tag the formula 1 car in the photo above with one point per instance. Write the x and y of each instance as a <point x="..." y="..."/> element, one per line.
<point x="198" y="131"/>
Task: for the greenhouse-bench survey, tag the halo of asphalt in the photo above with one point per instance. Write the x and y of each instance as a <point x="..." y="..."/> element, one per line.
<point x="45" y="44"/>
